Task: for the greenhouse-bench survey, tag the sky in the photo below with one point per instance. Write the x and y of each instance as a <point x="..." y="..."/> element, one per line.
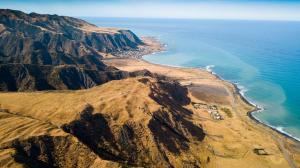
<point x="189" y="9"/>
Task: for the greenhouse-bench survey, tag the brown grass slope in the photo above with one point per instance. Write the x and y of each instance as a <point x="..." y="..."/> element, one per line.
<point x="234" y="141"/>
<point x="131" y="122"/>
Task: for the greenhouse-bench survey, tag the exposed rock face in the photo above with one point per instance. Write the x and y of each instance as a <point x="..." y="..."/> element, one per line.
<point x="37" y="40"/>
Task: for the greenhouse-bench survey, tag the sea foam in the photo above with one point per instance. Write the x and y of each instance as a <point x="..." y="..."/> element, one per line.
<point x="209" y="68"/>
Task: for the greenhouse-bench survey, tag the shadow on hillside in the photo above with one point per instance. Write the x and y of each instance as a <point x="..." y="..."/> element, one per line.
<point x="170" y="125"/>
<point x="51" y="151"/>
<point x="94" y="131"/>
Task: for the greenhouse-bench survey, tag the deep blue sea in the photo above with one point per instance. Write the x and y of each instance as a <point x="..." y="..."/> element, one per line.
<point x="262" y="57"/>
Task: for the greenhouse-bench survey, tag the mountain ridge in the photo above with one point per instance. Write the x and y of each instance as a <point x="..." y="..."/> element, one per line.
<point x="149" y="126"/>
<point x="30" y="43"/>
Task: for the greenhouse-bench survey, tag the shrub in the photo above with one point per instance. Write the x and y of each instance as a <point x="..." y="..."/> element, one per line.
<point x="227" y="111"/>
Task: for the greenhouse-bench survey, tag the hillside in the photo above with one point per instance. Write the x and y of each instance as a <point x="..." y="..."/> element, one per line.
<point x="28" y="77"/>
<point x="132" y="122"/>
<point x="55" y="40"/>
<point x="32" y="45"/>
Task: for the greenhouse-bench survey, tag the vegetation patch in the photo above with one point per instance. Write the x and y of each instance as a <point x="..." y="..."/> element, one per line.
<point x="260" y="151"/>
<point x="227" y="111"/>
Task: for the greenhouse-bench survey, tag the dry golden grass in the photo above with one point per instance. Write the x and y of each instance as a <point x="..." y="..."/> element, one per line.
<point x="60" y="107"/>
<point x="228" y="143"/>
<point x="108" y="30"/>
<point x="124" y="102"/>
<point x="231" y="141"/>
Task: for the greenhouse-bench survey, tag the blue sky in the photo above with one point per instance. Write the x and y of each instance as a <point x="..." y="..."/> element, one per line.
<point x="209" y="9"/>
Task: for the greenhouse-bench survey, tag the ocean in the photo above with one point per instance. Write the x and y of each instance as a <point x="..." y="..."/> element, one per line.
<point x="261" y="57"/>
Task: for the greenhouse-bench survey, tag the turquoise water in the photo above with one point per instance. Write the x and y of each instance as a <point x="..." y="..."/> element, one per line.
<point x="262" y="57"/>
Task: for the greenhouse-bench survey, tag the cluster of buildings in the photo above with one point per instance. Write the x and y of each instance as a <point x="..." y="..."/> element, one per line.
<point x="211" y="109"/>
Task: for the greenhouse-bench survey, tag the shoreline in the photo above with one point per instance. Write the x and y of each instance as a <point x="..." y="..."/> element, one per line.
<point x="260" y="109"/>
<point x="205" y="86"/>
<point x="257" y="108"/>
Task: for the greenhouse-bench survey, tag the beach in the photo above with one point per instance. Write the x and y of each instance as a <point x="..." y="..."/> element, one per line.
<point x="236" y="139"/>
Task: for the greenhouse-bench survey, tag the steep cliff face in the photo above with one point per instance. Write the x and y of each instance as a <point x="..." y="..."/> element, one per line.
<point x="35" y="49"/>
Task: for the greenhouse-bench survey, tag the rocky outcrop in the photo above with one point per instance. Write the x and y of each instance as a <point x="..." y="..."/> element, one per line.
<point x="49" y="52"/>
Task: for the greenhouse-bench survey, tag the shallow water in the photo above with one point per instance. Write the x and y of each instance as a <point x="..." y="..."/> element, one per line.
<point x="262" y="57"/>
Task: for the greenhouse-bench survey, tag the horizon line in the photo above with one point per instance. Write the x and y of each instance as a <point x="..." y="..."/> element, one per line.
<point x="183" y="18"/>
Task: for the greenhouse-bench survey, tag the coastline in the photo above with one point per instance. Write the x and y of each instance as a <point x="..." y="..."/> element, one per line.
<point x="257" y="120"/>
<point x="242" y="107"/>
<point x="208" y="68"/>
<point x="125" y="111"/>
<point x="256" y="110"/>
